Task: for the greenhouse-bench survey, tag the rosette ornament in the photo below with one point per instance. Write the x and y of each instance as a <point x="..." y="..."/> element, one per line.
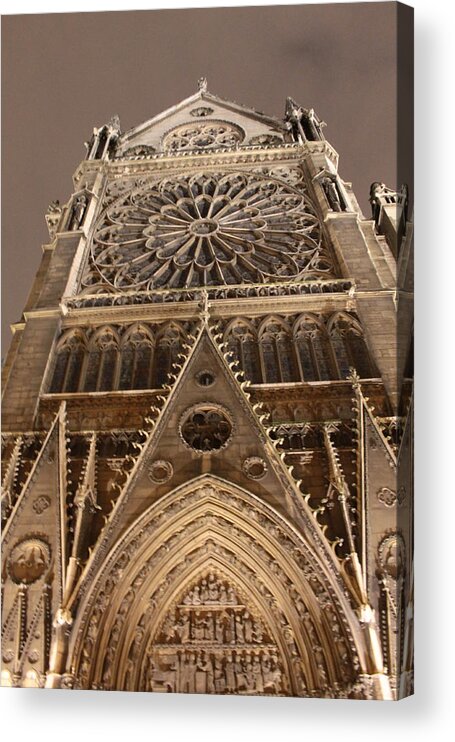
<point x="207" y="230"/>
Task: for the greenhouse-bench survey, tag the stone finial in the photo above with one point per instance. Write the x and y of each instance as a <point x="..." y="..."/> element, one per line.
<point x="202" y="84"/>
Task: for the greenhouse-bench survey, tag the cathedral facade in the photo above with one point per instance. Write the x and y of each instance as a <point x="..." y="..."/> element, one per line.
<point x="207" y="427"/>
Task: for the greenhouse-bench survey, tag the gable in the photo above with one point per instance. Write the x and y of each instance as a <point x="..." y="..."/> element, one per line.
<point x="202" y="121"/>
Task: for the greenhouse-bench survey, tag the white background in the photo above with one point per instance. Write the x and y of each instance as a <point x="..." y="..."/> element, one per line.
<point x="429" y="714"/>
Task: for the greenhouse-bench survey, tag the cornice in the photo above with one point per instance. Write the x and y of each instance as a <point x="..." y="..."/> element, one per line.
<point x="192" y="160"/>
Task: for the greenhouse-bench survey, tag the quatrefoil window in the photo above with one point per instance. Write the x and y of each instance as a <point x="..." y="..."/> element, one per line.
<point x="206" y="428"/>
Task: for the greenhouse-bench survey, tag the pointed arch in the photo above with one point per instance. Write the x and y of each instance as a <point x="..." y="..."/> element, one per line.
<point x="277" y="352"/>
<point x="70" y="354"/>
<point x="241" y="338"/>
<point x="210" y="525"/>
<point x="169" y="341"/>
<point x="349" y="345"/>
<point x="136" y="364"/>
<point x="312" y="344"/>
<point x="100" y="373"/>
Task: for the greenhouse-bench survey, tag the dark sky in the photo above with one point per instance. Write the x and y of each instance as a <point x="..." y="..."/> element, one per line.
<point x="65" y="73"/>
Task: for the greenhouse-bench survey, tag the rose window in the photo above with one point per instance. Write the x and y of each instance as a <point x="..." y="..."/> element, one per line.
<point x="212" y="135"/>
<point x="206" y="428"/>
<point x="206" y="230"/>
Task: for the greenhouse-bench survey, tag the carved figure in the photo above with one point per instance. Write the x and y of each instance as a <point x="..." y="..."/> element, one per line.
<point x="78" y="213"/>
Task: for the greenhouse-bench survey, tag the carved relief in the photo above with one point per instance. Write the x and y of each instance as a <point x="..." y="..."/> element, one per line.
<point x="29" y="561"/>
<point x="392" y="555"/>
<point x="207" y="612"/>
<point x="266" y="140"/>
<point x="41" y="504"/>
<point x="390" y="498"/>
<point x="160" y="471"/>
<point x="212" y="135"/>
<point x="201" y="112"/>
<point x="212" y="643"/>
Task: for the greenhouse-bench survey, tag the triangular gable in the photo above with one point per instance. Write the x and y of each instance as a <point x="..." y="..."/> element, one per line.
<point x="176" y="463"/>
<point x="211" y="109"/>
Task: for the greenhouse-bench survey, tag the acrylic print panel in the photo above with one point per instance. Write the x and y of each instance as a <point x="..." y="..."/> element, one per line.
<point x="207" y="416"/>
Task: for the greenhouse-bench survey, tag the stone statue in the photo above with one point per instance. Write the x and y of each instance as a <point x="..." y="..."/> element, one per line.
<point x="54" y="207"/>
<point x="78" y="213"/>
<point x="239" y="630"/>
<point x="332" y="193"/>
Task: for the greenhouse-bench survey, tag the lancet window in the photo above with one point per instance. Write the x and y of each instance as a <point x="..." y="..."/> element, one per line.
<point x="349" y="345"/>
<point x="71" y="352"/>
<point x="277" y="352"/>
<point x="137" y="359"/>
<point x="307" y="348"/>
<point x="111" y="359"/>
<point x="103" y="357"/>
<point x="242" y="343"/>
<point x="314" y="353"/>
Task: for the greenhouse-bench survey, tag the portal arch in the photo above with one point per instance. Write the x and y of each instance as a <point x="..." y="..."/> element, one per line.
<point x="211" y="527"/>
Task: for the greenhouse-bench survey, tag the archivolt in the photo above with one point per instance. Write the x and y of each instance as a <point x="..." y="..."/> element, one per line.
<point x="211" y="524"/>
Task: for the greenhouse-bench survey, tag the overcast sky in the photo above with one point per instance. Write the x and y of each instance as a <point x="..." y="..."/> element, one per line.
<point x="63" y="74"/>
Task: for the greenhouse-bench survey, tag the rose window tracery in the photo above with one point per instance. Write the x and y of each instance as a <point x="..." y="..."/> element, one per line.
<point x="204" y="230"/>
<point x="206" y="428"/>
<point x="210" y="135"/>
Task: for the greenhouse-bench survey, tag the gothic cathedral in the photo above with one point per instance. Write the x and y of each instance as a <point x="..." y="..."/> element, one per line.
<point x="207" y="427"/>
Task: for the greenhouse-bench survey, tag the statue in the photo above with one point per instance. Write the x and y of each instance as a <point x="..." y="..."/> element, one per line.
<point x="54" y="207"/>
<point x="230" y="674"/>
<point x="330" y="187"/>
<point x="202" y="84"/>
<point x="78" y="213"/>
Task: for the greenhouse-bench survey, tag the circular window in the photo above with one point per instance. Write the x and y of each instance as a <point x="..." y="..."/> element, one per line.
<point x="160" y="471"/>
<point x="254" y="467"/>
<point x="206" y="428"/>
<point x="205" y="378"/>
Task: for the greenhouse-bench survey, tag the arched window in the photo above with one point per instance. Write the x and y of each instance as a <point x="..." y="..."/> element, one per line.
<point x="349" y="345"/>
<point x="102" y="361"/>
<point x="277" y="352"/>
<point x="136" y="359"/>
<point x="68" y="365"/>
<point x="313" y="350"/>
<point x="242" y="342"/>
<point x="168" y="346"/>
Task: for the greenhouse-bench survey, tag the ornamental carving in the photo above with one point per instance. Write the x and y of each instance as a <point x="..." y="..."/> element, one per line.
<point x="389" y="497"/>
<point x="392" y="555"/>
<point x="201" y="112"/>
<point x="206" y="427"/>
<point x="29" y="561"/>
<point x="254" y="467"/>
<point x="266" y="140"/>
<point x="41" y="504"/>
<point x="211" y="642"/>
<point x="140" y="150"/>
<point x="206" y="230"/>
<point x="160" y="471"/>
<point x="212" y="135"/>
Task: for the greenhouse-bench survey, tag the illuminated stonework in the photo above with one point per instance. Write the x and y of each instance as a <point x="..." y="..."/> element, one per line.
<point x="212" y="135"/>
<point x="204" y="230"/>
